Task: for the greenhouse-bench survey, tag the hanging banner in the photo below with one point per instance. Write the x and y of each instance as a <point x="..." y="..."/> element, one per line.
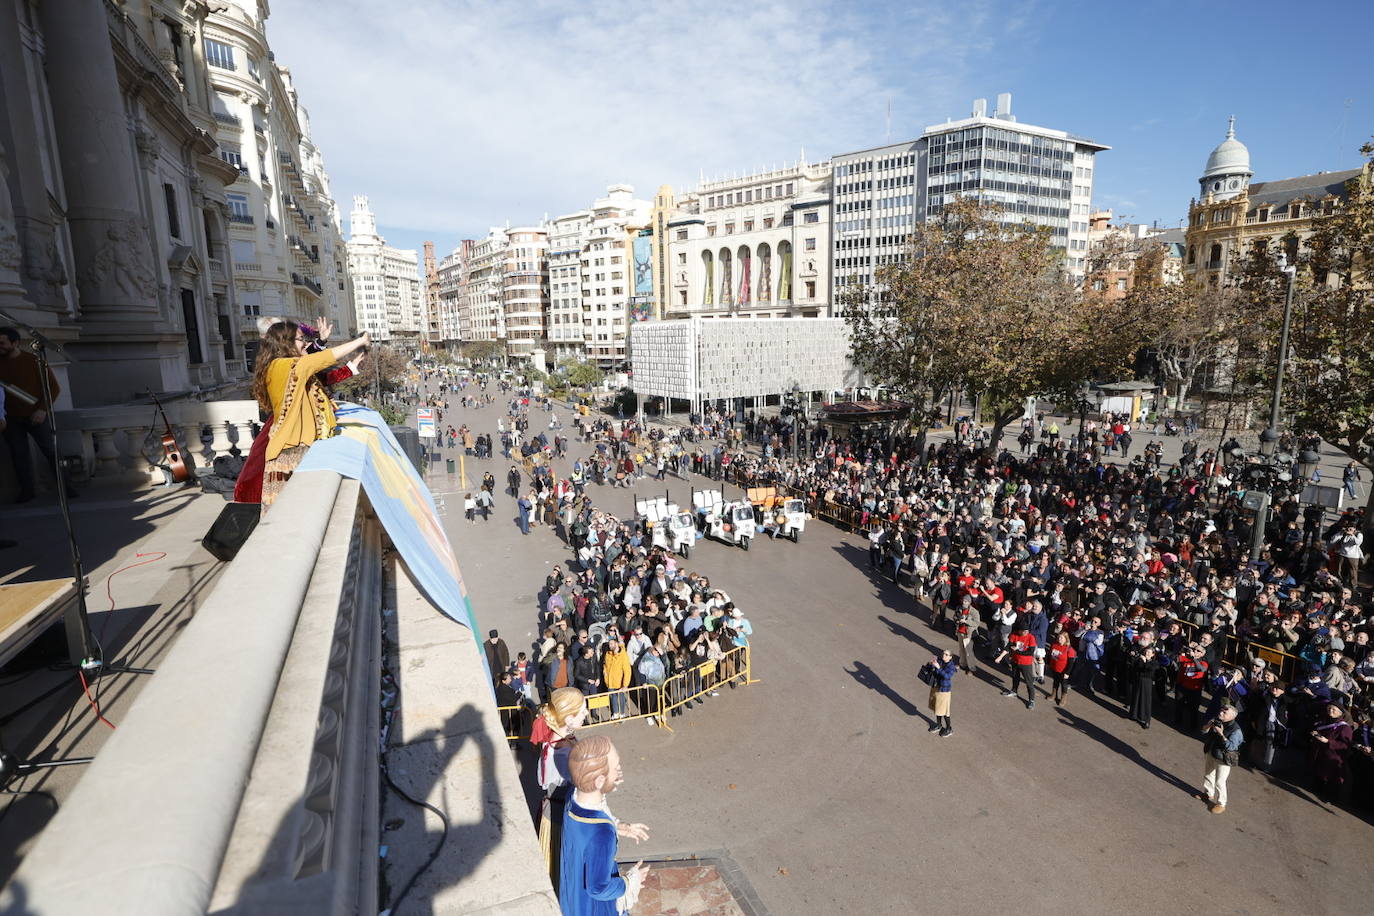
<point x="365" y="450"/>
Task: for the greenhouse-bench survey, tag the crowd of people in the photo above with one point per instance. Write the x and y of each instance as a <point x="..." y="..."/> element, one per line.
<point x="1131" y="582"/>
<point x="621" y="614"/>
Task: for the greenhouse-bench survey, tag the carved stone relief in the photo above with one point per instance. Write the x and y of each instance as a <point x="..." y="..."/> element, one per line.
<point x="122" y="264"/>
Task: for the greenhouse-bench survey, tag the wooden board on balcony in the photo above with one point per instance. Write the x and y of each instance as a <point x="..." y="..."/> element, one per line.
<point x="29" y="608"/>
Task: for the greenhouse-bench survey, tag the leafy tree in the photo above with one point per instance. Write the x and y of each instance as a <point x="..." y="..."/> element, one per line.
<point x="1329" y="382"/>
<point x="483" y="351"/>
<point x="383" y="370"/>
<point x="982" y="304"/>
<point x="582" y="374"/>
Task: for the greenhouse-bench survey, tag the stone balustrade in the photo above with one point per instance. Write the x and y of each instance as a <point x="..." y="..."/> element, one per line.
<point x="246" y="778"/>
<point x="124" y="441"/>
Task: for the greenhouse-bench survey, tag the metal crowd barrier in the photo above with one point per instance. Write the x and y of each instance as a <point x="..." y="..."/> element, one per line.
<point x="1238" y="653"/>
<point x="643" y="701"/>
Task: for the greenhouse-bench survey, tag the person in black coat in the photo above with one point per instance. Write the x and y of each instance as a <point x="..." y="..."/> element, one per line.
<point x="498" y="656"/>
<point x="1141" y="664"/>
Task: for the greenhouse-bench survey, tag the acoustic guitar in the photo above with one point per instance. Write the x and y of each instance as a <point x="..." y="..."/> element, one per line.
<point x="172" y="460"/>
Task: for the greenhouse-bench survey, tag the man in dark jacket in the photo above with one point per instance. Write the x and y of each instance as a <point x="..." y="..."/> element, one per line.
<point x="587" y="674"/>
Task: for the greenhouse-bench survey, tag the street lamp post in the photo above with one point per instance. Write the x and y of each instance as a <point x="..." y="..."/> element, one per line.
<point x="1268" y="472"/>
<point x="1292" y="271"/>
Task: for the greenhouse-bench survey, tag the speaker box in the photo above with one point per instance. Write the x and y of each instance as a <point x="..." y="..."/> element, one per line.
<point x="231" y="530"/>
<point x="408" y="438"/>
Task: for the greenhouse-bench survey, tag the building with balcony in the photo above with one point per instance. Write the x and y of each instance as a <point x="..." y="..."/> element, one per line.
<point x="525" y="289"/>
<point x="285" y="233"/>
<point x="565" y="330"/>
<point x="486" y="316"/>
<point x="752" y="247"/>
<point x="606" y="270"/>
<point x="123" y="257"/>
<point x="386" y="281"/>
<point x="452" y="275"/>
<point x="1233" y="215"/>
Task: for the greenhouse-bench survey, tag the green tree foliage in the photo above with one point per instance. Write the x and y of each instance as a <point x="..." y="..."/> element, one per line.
<point x="1329" y="381"/>
<point x="582" y="374"/>
<point x="484" y="351"/>
<point x="983" y="305"/>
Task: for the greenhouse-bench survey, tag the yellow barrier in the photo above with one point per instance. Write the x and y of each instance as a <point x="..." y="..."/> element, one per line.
<point x="645" y="700"/>
<point x="699" y="680"/>
<point x="1239" y="652"/>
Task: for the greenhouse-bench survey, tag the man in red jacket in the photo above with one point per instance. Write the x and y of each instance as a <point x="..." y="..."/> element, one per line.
<point x="1021" y="648"/>
<point x="1192" y="674"/>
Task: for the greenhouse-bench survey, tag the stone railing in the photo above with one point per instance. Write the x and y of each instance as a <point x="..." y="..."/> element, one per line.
<point x="246" y="777"/>
<point x="125" y="441"/>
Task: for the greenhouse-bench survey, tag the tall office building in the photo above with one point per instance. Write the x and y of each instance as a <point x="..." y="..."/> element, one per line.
<point x="386" y="281"/>
<point x="1037" y="174"/>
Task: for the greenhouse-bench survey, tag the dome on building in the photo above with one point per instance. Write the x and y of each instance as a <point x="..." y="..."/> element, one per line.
<point x="1231" y="157"/>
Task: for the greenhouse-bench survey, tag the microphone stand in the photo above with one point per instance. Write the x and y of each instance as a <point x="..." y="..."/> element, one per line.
<point x="91" y="662"/>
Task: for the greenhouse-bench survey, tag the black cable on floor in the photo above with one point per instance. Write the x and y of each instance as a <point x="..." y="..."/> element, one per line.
<point x="433" y="856"/>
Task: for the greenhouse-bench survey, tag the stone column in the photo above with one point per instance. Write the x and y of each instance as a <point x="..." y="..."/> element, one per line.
<point x="116" y="276"/>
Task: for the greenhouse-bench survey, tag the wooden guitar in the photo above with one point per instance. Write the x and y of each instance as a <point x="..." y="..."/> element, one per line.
<point x="171" y="452"/>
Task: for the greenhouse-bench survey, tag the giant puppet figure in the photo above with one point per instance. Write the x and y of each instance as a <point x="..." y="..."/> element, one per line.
<point x="553" y="735"/>
<point x="590" y="883"/>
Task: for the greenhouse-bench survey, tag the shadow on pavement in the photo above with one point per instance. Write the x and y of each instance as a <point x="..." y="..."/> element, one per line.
<point x="1126" y="751"/>
<point x="869" y="678"/>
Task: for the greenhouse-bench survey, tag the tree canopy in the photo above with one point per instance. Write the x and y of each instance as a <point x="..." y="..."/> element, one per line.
<point x="982" y="303"/>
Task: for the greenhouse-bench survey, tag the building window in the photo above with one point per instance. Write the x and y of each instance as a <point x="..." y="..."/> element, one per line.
<point x="219" y="54"/>
<point x="682" y="235"/>
<point x="749" y="225"/>
<point x="192" y="320"/>
<point x="238" y="205"/>
<point x="811" y="216"/>
<point x="811" y="289"/>
<point x="810" y="244"/>
<point x="169" y="194"/>
<point x="1121" y="285"/>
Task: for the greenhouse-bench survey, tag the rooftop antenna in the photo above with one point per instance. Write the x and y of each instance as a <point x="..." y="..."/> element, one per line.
<point x="888" y="139"/>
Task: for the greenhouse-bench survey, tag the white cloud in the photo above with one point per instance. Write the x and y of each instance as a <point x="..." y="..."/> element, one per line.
<point x="453" y="116"/>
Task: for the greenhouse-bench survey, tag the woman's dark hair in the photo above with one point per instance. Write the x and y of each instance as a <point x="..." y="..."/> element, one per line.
<point x="278" y="343"/>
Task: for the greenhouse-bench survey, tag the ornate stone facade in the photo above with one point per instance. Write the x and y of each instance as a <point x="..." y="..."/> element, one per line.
<point x="115" y="215"/>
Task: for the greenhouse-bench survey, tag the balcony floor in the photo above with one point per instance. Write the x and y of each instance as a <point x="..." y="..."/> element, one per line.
<point x="151" y="603"/>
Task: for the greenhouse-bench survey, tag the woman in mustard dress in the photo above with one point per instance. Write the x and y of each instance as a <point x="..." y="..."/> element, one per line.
<point x="285" y="384"/>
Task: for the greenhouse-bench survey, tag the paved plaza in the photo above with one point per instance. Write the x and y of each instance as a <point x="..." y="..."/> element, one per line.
<point x="823" y="784"/>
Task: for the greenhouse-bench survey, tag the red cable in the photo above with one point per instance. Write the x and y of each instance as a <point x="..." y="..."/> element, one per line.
<point x="153" y="557"/>
<point x="86" y="687"/>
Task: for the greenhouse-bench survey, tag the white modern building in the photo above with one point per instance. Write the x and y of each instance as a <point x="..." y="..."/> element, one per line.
<point x="1037" y="174"/>
<point x="565" y="332"/>
<point x="756" y="246"/>
<point x="388" y="293"/>
<point x="486" y="318"/>
<point x="697" y="360"/>
<point x="607" y="273"/>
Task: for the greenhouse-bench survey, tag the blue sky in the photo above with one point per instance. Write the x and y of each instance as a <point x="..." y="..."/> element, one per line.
<point x="457" y="115"/>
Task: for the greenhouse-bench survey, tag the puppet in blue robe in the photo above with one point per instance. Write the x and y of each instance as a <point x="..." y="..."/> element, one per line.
<point x="590" y="882"/>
